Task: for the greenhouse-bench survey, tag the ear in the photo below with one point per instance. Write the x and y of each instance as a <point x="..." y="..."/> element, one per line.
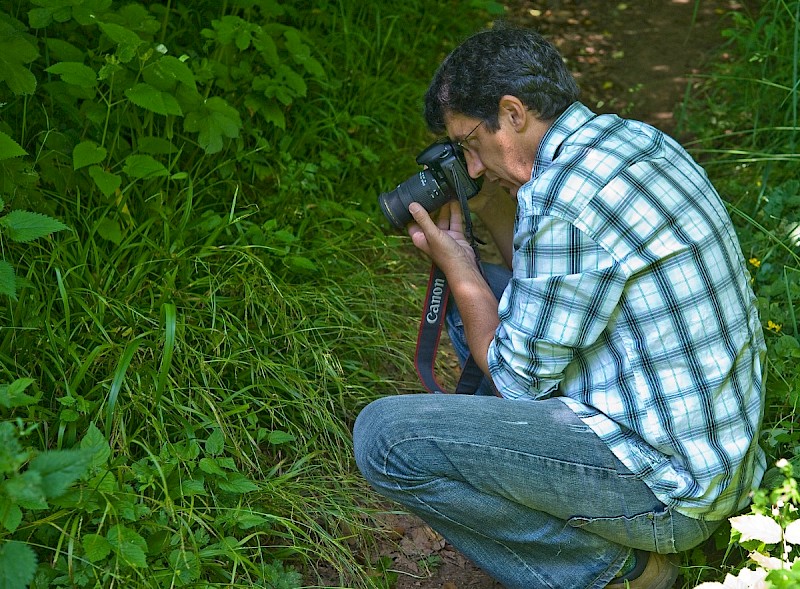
<point x="514" y="111"/>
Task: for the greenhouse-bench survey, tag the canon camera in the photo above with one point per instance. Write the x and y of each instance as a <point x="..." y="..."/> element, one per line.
<point x="443" y="178"/>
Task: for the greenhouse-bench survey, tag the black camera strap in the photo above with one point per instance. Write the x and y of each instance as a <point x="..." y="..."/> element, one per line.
<point x="430" y="332"/>
<point x="433" y="319"/>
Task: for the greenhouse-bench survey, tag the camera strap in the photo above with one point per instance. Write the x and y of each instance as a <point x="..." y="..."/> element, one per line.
<point x="430" y="331"/>
<point x="433" y="319"/>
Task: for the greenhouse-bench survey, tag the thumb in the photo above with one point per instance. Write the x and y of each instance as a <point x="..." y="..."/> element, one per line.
<point x="421" y="216"/>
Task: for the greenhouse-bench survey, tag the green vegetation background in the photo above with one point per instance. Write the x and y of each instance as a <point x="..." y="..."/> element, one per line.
<point x="198" y="293"/>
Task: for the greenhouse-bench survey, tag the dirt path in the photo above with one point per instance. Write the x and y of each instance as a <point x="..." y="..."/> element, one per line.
<point x="631" y="58"/>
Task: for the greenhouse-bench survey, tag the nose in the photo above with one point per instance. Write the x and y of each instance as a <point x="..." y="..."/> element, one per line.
<point x="475" y="167"/>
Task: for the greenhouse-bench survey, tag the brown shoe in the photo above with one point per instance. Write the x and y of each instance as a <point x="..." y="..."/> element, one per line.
<point x="659" y="573"/>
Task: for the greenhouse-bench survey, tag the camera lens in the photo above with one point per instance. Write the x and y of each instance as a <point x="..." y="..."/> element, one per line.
<point x="422" y="188"/>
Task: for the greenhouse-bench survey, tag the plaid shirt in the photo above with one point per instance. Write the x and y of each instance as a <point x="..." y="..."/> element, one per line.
<point x="630" y="301"/>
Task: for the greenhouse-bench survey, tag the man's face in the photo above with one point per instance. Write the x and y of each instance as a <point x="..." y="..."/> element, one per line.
<point x="505" y="156"/>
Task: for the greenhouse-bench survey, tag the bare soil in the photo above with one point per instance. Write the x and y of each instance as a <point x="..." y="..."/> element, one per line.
<point x="635" y="59"/>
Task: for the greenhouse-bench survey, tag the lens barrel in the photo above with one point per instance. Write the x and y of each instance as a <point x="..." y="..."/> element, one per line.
<point x="422" y="188"/>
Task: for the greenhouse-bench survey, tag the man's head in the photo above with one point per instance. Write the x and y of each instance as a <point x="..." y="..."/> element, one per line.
<point x="496" y="95"/>
<point x="495" y="63"/>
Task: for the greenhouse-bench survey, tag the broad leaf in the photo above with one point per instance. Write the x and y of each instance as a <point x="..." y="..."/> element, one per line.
<point x="75" y="73"/>
<point x="8" y="280"/>
<point x="127" y="41"/>
<point x="13" y="395"/>
<point x="757" y="527"/>
<point x="17" y="565"/>
<point x="87" y="153"/>
<point x="16" y="51"/>
<point x="110" y="230"/>
<point x="129" y="546"/>
<point x="140" y="167"/>
<point x="96" y="547"/>
<point x="214" y="121"/>
<point x="95" y="442"/>
<point x="107" y="182"/>
<point x="24" y="226"/>
<point x="60" y="468"/>
<point x="10" y="515"/>
<point x="149" y="98"/>
<point x="237" y="483"/>
<point x="9" y="148"/>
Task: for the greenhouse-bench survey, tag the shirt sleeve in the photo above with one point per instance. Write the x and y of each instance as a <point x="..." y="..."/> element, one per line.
<point x="562" y="295"/>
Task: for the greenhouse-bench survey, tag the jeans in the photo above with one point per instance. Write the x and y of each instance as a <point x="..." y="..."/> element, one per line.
<point x="522" y="488"/>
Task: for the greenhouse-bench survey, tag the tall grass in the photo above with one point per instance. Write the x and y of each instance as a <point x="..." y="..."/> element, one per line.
<point x="207" y="329"/>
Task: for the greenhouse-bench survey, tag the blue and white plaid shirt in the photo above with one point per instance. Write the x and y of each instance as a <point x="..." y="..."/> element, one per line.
<point x="630" y="301"/>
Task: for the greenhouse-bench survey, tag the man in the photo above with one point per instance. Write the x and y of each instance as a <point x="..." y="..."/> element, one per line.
<point x="625" y="349"/>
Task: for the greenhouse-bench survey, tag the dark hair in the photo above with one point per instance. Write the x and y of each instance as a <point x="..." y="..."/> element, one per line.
<point x="493" y="63"/>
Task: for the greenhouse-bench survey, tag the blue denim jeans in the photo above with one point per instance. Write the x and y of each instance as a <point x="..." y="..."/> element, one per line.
<point x="522" y="488"/>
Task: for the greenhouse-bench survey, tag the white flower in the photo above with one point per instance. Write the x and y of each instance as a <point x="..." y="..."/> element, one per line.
<point x="757" y="527"/>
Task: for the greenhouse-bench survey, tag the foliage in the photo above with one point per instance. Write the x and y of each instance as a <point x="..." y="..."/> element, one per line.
<point x="184" y="363"/>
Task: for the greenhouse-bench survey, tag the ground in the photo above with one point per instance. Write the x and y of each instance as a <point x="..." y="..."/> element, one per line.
<point x="631" y="58"/>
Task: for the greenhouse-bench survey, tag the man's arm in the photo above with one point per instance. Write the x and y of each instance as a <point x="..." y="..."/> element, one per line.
<point x="444" y="242"/>
<point x="497" y="209"/>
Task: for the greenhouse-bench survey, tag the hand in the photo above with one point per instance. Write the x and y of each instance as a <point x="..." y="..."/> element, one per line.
<point x="443" y="240"/>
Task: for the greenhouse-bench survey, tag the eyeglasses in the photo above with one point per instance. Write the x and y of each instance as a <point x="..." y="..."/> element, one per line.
<point x="462" y="144"/>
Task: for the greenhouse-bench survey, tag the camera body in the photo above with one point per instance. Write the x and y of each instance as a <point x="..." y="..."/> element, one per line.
<point x="443" y="178"/>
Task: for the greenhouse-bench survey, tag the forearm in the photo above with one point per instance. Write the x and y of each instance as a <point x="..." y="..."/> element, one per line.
<point x="477" y="306"/>
<point x="497" y="209"/>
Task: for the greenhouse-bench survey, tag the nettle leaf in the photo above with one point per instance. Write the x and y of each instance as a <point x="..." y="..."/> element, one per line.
<point x="237" y="483"/>
<point x="215" y="443"/>
<point x="96" y="547"/>
<point x="154" y="100"/>
<point x="9" y="148"/>
<point x="126" y="40"/>
<point x="107" y="182"/>
<point x="75" y="73"/>
<point x="280" y="437"/>
<point x="87" y="153"/>
<point x="110" y="230"/>
<point x="12" y="455"/>
<point x="140" y="167"/>
<point x="10" y="515"/>
<point x="8" y="280"/>
<point x="13" y="395"/>
<point x="16" y="51"/>
<point x="60" y="468"/>
<point x="166" y="73"/>
<point x="95" y="443"/>
<point x="129" y="546"/>
<point x="25" y="226"/>
<point x="216" y="119"/>
<point x="17" y="565"/>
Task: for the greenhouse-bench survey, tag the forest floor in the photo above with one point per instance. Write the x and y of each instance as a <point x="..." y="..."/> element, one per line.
<point x="635" y="59"/>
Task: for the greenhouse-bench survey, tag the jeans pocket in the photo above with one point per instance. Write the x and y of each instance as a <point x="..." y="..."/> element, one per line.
<point x="651" y="531"/>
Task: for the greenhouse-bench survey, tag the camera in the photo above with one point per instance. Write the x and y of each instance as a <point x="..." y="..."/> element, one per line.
<point x="444" y="178"/>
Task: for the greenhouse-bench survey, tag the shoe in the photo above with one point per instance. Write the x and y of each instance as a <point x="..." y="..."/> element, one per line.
<point x="660" y="572"/>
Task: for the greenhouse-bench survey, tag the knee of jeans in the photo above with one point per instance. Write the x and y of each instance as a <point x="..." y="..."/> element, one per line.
<point x="369" y="437"/>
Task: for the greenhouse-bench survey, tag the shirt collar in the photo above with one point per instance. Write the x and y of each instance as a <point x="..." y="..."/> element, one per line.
<point x="571" y="119"/>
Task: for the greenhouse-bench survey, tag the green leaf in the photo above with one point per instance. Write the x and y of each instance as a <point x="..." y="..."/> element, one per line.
<point x="216" y="119"/>
<point x="110" y="230"/>
<point x="13" y="395"/>
<point x="237" y="483"/>
<point x="10" y="514"/>
<point x="96" y="547"/>
<point x="16" y="50"/>
<point x="215" y="443"/>
<point x="17" y="565"/>
<point x="25" y="226"/>
<point x="74" y="73"/>
<point x="8" y="280"/>
<point x="300" y="264"/>
<point x="87" y="153"/>
<point x="210" y="466"/>
<point x="12" y="455"/>
<point x="140" y="167"/>
<point x="9" y="148"/>
<point x="129" y="546"/>
<point x="127" y="41"/>
<point x="154" y="100"/>
<point x="279" y="437"/>
<point x="97" y="445"/>
<point x="60" y="468"/>
<point x="107" y="182"/>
